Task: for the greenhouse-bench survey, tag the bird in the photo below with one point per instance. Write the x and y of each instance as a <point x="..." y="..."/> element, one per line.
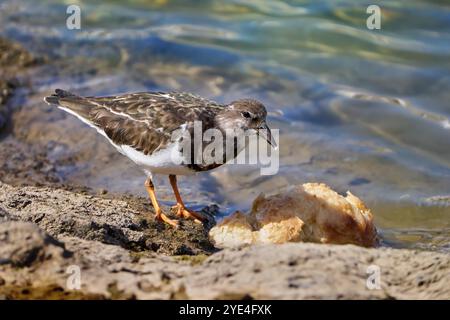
<point x="141" y="126"/>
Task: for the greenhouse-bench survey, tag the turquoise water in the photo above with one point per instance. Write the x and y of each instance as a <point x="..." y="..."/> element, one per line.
<point x="361" y="110"/>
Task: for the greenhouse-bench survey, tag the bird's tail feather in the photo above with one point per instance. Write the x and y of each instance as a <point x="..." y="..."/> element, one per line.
<point x="59" y="94"/>
<point x="67" y="100"/>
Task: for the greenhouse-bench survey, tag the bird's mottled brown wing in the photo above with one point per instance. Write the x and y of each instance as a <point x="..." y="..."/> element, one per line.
<point x="165" y="111"/>
<point x="142" y="120"/>
<point x="124" y="131"/>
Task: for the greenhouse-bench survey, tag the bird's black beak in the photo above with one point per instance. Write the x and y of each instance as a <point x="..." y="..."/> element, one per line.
<point x="264" y="132"/>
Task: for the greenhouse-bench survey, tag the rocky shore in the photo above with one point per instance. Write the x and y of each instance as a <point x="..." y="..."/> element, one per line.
<point x="61" y="241"/>
<point x="121" y="253"/>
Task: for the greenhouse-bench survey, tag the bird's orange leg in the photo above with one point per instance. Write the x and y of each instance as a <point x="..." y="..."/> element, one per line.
<point x="182" y="211"/>
<point x="159" y="215"/>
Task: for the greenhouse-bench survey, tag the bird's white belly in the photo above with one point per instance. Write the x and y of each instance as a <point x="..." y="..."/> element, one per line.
<point x="165" y="161"/>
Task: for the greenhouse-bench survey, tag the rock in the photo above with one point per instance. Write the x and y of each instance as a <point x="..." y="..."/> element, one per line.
<point x="318" y="271"/>
<point x="13" y="55"/>
<point x="26" y="164"/>
<point x="4" y="215"/>
<point x="35" y="265"/>
<point x="309" y="213"/>
<point x="233" y="231"/>
<point x="23" y="243"/>
<point x="6" y="89"/>
<point x="13" y="59"/>
<point x="287" y="271"/>
<point x="128" y="224"/>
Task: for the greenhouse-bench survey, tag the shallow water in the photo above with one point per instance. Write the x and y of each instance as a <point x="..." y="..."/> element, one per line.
<point x="366" y="111"/>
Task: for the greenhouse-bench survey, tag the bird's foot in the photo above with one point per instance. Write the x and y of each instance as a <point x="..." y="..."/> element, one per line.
<point x="160" y="216"/>
<point x="182" y="212"/>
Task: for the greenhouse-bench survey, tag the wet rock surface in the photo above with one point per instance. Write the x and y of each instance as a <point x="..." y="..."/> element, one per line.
<point x="13" y="60"/>
<point x="24" y="164"/>
<point x="112" y="244"/>
<point x="6" y="88"/>
<point x="14" y="56"/>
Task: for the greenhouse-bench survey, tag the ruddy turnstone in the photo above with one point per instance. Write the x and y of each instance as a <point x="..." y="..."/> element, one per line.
<point x="141" y="127"/>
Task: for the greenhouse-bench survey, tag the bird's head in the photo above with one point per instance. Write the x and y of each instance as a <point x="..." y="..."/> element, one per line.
<point x="248" y="115"/>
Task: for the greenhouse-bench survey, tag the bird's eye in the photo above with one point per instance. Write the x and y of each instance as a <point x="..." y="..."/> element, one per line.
<point x="246" y="114"/>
